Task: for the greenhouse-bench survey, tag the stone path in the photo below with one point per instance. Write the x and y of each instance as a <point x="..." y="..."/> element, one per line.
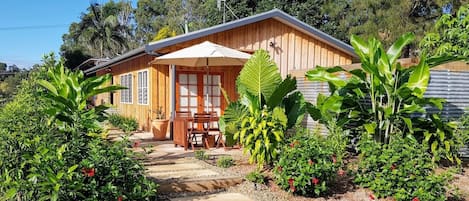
<point x="182" y="177"/>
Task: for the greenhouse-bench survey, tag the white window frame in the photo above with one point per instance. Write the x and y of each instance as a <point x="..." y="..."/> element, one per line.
<point x="129" y="90"/>
<point x="145" y="89"/>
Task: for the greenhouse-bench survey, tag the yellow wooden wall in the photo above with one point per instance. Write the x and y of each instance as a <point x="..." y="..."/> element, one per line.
<point x="158" y="89"/>
<point x="292" y="50"/>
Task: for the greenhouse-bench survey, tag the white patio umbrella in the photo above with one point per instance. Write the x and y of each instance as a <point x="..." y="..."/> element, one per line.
<point x="205" y="54"/>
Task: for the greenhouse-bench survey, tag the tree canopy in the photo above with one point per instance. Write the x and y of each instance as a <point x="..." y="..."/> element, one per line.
<point x="115" y="27"/>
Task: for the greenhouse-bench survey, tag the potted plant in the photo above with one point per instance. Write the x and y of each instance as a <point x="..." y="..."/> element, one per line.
<point x="159" y="124"/>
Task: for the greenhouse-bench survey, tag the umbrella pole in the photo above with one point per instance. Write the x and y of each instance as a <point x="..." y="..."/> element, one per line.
<point x="206" y="87"/>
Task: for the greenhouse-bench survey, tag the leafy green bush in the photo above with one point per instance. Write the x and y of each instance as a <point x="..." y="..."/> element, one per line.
<point x="52" y="154"/>
<point x="201" y="155"/>
<point x="381" y="98"/>
<point x="126" y="124"/>
<point x="267" y="107"/>
<point x="256" y="177"/>
<point x="225" y="162"/>
<point x="309" y="164"/>
<point x="402" y="169"/>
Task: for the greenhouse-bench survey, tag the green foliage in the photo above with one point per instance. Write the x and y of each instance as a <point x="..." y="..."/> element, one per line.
<point x="41" y="160"/>
<point x="126" y="124"/>
<point x="201" y="155"/>
<point x="310" y="163"/>
<point x="69" y="92"/>
<point x="116" y="174"/>
<point x="256" y="177"/>
<point x="382" y="97"/>
<point x="225" y="162"/>
<point x="450" y="35"/>
<point x="402" y="170"/>
<point x="267" y="107"/>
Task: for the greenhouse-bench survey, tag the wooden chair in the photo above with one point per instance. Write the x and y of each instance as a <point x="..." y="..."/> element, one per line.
<point x="215" y="128"/>
<point x="200" y="127"/>
<point x="181" y="128"/>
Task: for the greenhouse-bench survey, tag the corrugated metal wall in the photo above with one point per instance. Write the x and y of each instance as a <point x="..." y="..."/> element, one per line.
<point x="450" y="85"/>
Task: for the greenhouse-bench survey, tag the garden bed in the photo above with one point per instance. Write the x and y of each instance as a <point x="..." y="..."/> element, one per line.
<point x="343" y="189"/>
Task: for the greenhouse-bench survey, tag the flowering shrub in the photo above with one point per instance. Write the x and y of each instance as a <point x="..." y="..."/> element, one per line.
<point x="402" y="169"/>
<point x="309" y="164"/>
<point x="51" y="154"/>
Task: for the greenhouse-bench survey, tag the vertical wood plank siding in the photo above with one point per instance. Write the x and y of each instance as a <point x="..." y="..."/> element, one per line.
<point x="291" y="50"/>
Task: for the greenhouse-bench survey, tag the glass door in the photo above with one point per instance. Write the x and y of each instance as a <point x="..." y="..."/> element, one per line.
<point x="199" y="93"/>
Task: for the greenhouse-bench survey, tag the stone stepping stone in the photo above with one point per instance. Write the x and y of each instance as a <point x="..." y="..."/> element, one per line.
<point x="216" y="197"/>
<point x="183" y="174"/>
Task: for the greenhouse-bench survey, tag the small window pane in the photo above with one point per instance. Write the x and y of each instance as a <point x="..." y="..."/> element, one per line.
<point x="216" y="101"/>
<point x="216" y="79"/>
<point x="184" y="102"/>
<point x="183" y="90"/>
<point x="193" y="101"/>
<point x="192" y="79"/>
<point x="183" y="79"/>
<point x="216" y="91"/>
<point x="193" y="90"/>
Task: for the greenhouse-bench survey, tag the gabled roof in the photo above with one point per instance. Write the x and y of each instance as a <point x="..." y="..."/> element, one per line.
<point x="150" y="48"/>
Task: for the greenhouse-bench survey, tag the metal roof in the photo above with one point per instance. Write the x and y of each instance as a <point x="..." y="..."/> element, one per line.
<point x="275" y="13"/>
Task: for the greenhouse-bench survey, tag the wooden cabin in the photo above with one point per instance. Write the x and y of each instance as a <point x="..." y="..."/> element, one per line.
<point x="292" y="44"/>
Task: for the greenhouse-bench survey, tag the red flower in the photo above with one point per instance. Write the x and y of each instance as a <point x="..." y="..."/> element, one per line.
<point x="334" y="159"/>
<point x="292" y="145"/>
<point x="393" y="167"/>
<point x="119" y="198"/>
<point x="416" y="199"/>
<point x="279" y="168"/>
<point x="88" y="172"/>
<point x="341" y="172"/>
<point x="315" y="180"/>
<point x="292" y="187"/>
<point x="372" y="197"/>
<point x="290" y="181"/>
<point x="136" y="144"/>
<point x="311" y="162"/>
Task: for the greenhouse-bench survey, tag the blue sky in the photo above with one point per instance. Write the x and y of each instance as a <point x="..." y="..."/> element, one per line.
<point x="32" y="28"/>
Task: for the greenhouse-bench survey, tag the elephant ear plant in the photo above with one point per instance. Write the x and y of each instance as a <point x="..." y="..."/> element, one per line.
<point x="266" y="108"/>
<point x="383" y="98"/>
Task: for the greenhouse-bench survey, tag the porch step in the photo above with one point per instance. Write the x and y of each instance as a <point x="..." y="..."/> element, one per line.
<point x="215" y="197"/>
<point x="200" y="185"/>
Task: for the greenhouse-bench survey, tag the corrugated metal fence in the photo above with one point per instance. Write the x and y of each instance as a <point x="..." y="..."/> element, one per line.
<point x="450" y="85"/>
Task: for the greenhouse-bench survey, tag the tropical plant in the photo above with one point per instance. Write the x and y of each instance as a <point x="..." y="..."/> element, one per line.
<point x="401" y="169"/>
<point x="449" y="36"/>
<point x="126" y="124"/>
<point x="267" y="107"/>
<point x="57" y="161"/>
<point x="310" y="164"/>
<point x="383" y="97"/>
<point x="69" y="92"/>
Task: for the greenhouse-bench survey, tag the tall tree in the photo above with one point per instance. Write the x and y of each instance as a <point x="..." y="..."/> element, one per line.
<point x="149" y="19"/>
<point x="449" y="36"/>
<point x="104" y="31"/>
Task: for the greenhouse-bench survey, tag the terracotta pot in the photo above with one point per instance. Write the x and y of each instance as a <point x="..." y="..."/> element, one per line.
<point x="159" y="128"/>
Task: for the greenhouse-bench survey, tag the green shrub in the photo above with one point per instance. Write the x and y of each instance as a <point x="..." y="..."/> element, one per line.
<point x="256" y="177"/>
<point x="402" y="169"/>
<point x="225" y="162"/>
<point x="309" y="164"/>
<point x="126" y="124"/>
<point x="49" y="154"/>
<point x="200" y="155"/>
